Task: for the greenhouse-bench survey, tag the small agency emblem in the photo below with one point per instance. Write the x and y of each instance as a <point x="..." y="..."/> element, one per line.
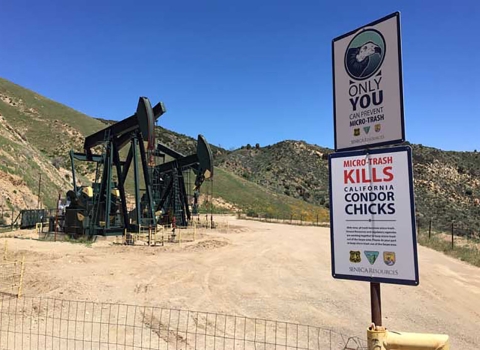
<point x="389" y="258"/>
<point x="366" y="129"/>
<point x="356" y="132"/>
<point x="378" y="127"/>
<point x="371" y="256"/>
<point x="355" y="256"/>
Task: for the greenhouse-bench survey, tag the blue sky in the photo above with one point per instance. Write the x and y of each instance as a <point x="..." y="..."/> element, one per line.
<point x="242" y="71"/>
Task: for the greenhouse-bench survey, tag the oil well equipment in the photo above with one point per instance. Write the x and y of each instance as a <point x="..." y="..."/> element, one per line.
<point x="101" y="209"/>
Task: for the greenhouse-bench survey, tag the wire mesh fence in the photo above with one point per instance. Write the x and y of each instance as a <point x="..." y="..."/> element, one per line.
<point x="297" y="219"/>
<point x="37" y="323"/>
<point x="11" y="277"/>
<point x="454" y="228"/>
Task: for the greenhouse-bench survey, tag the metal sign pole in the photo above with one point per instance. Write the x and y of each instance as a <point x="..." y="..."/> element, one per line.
<point x="376" y="303"/>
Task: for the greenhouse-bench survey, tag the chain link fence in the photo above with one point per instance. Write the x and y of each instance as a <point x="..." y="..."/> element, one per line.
<point x="37" y="323"/>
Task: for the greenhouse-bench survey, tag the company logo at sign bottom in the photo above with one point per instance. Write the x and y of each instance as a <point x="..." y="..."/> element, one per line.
<point x="389" y="258"/>
<point x="371" y="256"/>
<point x="355" y="256"/>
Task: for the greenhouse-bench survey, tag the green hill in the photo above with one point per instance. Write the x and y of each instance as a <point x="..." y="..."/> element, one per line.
<point x="447" y="183"/>
<point x="290" y="177"/>
<point x="37" y="133"/>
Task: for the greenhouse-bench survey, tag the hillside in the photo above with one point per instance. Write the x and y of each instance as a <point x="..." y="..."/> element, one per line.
<point x="447" y="187"/>
<point x="293" y="168"/>
<point x="35" y="136"/>
<point x="37" y="133"/>
<point x="290" y="177"/>
<point x="447" y="184"/>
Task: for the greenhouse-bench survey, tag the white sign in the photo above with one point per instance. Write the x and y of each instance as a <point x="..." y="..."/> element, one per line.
<point x="372" y="216"/>
<point x="367" y="86"/>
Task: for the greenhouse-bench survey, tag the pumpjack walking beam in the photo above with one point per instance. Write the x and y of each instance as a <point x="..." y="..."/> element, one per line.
<point x="144" y="118"/>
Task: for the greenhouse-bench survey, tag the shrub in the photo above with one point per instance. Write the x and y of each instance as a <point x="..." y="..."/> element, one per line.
<point x="56" y="162"/>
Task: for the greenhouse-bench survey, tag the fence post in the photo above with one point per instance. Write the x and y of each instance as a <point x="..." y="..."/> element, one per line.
<point x="11" y="222"/>
<point x="430" y="229"/>
<point x="22" y="270"/>
<point x="291" y="218"/>
<point x="317" y="219"/>
<point x="452" y="234"/>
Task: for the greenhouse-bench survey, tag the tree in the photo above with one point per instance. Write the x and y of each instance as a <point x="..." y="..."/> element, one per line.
<point x="257" y="146"/>
<point x="249" y="146"/>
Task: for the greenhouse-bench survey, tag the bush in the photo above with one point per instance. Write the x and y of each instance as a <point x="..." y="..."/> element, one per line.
<point x="257" y="146"/>
<point x="249" y="146"/>
<point x="56" y="162"/>
<point x="246" y="176"/>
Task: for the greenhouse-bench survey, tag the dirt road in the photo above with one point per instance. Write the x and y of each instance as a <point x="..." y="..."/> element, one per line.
<point x="273" y="271"/>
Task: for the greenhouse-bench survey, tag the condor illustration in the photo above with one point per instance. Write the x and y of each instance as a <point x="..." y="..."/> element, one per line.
<point x="364" y="56"/>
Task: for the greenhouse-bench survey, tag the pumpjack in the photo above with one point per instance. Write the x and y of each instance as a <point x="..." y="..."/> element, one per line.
<point x="101" y="209"/>
<point x="170" y="191"/>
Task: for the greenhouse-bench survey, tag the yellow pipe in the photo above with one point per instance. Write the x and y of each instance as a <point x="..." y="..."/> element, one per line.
<point x="381" y="339"/>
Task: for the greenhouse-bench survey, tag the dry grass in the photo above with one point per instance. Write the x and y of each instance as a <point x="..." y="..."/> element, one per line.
<point x="463" y="249"/>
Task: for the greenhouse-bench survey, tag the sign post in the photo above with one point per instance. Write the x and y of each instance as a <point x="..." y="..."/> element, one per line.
<point x="376" y="303"/>
<point x="373" y="234"/>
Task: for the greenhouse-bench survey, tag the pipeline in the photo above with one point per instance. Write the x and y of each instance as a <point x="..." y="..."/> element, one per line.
<point x="380" y="339"/>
